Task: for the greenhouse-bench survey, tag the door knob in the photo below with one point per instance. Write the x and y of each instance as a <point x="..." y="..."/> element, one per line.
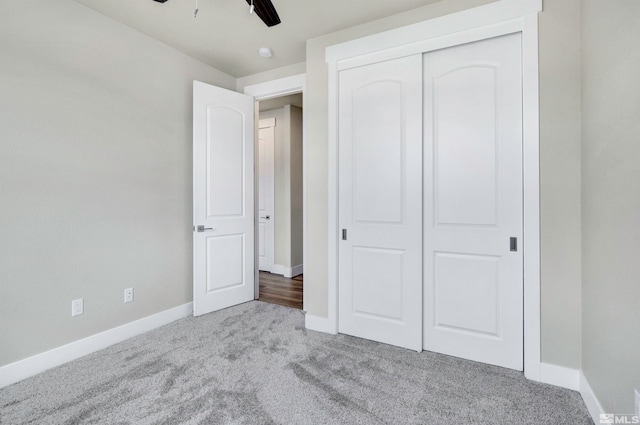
<point x="201" y="228"/>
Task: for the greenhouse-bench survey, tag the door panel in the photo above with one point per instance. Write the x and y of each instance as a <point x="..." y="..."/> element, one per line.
<point x="380" y="202"/>
<point x="223" y="203"/>
<point x="466" y="293"/>
<point x="377" y="128"/>
<point x="225" y="160"/>
<point x="465" y="191"/>
<point x="377" y="290"/>
<point x="225" y="262"/>
<point x="473" y="201"/>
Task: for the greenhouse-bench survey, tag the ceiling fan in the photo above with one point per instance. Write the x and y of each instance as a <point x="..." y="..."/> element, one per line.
<point x="263" y="8"/>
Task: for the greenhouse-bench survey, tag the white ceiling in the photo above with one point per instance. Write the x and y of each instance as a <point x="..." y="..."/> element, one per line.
<point x="226" y="37"/>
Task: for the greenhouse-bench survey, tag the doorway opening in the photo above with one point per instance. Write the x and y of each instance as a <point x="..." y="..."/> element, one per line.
<point x="279" y="200"/>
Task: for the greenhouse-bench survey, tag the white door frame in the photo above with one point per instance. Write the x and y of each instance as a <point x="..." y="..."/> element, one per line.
<point x="491" y="20"/>
<point x="271" y="242"/>
<point x="268" y="90"/>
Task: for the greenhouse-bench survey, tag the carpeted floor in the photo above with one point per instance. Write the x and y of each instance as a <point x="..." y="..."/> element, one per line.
<point x="256" y="364"/>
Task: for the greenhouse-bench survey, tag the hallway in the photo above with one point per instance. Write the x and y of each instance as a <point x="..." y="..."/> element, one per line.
<point x="276" y="289"/>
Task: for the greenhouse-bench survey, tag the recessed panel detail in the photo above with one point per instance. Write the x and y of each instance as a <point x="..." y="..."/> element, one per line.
<point x="225" y="262"/>
<point x="378" y="152"/>
<point x="225" y="158"/>
<point x="378" y="282"/>
<point x="465" y="123"/>
<point x="466" y="294"/>
<point x="262" y="228"/>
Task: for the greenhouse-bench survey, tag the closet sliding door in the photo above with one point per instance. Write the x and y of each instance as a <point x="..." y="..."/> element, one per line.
<point x="380" y="202"/>
<point x="473" y="215"/>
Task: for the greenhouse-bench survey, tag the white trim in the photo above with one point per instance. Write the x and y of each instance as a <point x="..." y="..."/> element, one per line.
<point x="332" y="202"/>
<point x="560" y="376"/>
<point x="278" y="269"/>
<point x="262" y="124"/>
<point x="531" y="190"/>
<point x="429" y="45"/>
<point x="267" y="122"/>
<point x="39" y="363"/>
<point x="276" y="88"/>
<point x="590" y="400"/>
<point x="473" y="24"/>
<point x="287" y="272"/>
<point x="470" y="19"/>
<point x="297" y="270"/>
<point x="319" y="324"/>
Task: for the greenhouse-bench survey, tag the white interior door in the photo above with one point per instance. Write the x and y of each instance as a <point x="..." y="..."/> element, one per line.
<point x="473" y="201"/>
<point x="380" y="202"/>
<point x="266" y="219"/>
<point x="223" y="198"/>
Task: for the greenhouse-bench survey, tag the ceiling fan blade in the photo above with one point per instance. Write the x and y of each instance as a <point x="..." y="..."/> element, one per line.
<point x="265" y="11"/>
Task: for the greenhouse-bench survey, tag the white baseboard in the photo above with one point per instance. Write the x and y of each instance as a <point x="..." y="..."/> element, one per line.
<point x="287" y="272"/>
<point x="34" y="365"/>
<point x="572" y="379"/>
<point x="320" y="324"/>
<point x="560" y="376"/>
<point x="589" y="397"/>
<point x="297" y="270"/>
<point x="278" y="269"/>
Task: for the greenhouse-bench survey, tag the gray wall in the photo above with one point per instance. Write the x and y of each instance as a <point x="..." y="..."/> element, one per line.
<point x="95" y="173"/>
<point x="295" y="163"/>
<point x="611" y="200"/>
<point x="560" y="257"/>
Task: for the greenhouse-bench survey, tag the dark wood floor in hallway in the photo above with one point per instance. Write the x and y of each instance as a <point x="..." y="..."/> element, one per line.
<point x="280" y="290"/>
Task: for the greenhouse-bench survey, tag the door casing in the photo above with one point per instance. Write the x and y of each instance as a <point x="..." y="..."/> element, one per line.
<point x="492" y="20"/>
<point x="269" y="194"/>
<point x="268" y="90"/>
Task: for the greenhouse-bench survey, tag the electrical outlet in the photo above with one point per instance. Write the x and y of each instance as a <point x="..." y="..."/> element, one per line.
<point x="128" y="295"/>
<point x="77" y="307"/>
<point x="637" y="403"/>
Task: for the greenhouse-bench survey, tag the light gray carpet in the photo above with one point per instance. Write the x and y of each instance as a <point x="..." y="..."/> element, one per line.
<point x="256" y="364"/>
